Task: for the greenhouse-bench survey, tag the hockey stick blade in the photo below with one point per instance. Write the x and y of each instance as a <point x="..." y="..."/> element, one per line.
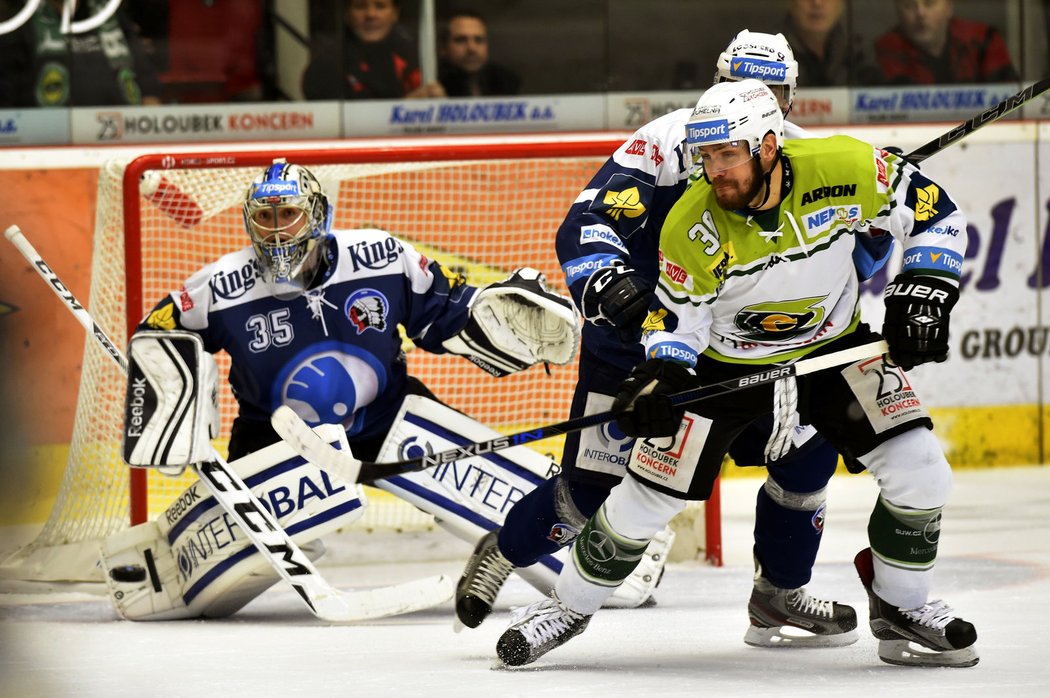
<point x="302" y="439"/>
<point x="983" y="119"/>
<point x="234" y="496"/>
<point x="308" y="444"/>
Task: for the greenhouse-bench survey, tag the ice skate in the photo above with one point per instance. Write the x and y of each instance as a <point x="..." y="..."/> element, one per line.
<point x="537" y="629"/>
<point x="793" y="618"/>
<point x="483" y="577"/>
<point x="926" y="636"/>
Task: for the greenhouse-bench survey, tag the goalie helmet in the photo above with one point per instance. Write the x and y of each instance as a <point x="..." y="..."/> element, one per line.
<point x="732" y="112"/>
<point x="287" y="215"/>
<point x="765" y="57"/>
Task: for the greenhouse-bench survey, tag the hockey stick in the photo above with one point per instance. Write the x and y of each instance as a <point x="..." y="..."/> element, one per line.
<point x="983" y="119"/>
<point x="303" y="440"/>
<point x="271" y="540"/>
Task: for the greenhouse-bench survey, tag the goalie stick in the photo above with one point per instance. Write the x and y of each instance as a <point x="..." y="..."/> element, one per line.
<point x="304" y="441"/>
<point x="273" y="542"/>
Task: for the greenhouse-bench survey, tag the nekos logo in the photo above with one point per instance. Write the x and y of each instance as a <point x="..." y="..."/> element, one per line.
<point x="780" y="320"/>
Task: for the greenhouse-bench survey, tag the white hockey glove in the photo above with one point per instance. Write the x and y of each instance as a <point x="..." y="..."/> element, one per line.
<point x="171" y="410"/>
<point x="785" y="418"/>
<point x="516" y="323"/>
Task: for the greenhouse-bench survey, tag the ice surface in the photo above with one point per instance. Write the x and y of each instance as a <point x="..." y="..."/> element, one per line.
<point x="994" y="568"/>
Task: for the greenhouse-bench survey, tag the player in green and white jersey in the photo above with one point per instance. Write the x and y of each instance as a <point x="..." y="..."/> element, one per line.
<point x="757" y="269"/>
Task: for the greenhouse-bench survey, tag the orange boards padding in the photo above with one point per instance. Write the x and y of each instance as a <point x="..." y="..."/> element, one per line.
<point x="41" y="343"/>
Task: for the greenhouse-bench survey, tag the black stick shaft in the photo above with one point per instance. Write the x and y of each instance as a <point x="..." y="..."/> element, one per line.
<point x="370" y="472"/>
<point x="983" y="119"/>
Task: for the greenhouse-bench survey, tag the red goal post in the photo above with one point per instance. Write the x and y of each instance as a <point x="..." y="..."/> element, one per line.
<point x="480" y="207"/>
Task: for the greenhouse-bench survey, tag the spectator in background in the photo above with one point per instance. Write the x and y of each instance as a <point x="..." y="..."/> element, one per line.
<point x="105" y="66"/>
<point x="828" y="54"/>
<point x="929" y="45"/>
<point x="380" y="59"/>
<point x="465" y="69"/>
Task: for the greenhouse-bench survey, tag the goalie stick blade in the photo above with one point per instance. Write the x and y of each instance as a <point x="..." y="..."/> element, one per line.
<point x="304" y="441"/>
<point x="369" y="604"/>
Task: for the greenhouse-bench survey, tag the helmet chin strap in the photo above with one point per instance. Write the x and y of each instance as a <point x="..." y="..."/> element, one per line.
<point x="766" y="177"/>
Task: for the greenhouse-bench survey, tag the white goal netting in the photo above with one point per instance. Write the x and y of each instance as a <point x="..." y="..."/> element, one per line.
<point x="483" y="210"/>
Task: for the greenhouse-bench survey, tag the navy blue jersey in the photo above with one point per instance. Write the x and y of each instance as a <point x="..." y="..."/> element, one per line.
<point x="333" y="354"/>
<point x="618" y="218"/>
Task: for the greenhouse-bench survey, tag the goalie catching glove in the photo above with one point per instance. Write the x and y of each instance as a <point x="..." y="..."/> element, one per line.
<point x="619" y="296"/>
<point x="917" y="313"/>
<point x="516" y="323"/>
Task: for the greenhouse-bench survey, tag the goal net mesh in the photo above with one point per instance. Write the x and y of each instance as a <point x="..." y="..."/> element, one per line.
<point x="482" y="215"/>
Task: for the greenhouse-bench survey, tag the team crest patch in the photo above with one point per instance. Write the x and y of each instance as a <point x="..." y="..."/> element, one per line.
<point x="818" y="518"/>
<point x="163" y="318"/>
<point x="367" y="310"/>
<point x="562" y="533"/>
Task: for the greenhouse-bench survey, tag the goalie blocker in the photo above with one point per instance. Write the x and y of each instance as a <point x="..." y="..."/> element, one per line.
<point x="171" y="409"/>
<point x="516" y="323"/>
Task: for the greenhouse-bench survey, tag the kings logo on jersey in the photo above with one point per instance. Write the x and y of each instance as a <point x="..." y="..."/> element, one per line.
<point x="367" y="310"/>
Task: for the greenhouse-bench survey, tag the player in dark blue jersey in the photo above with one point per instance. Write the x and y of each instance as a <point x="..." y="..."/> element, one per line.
<point x="607" y="245"/>
<point x="309" y="317"/>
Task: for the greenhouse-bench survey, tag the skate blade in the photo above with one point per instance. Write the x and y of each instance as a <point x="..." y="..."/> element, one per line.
<point x="787" y="636"/>
<point x="905" y="653"/>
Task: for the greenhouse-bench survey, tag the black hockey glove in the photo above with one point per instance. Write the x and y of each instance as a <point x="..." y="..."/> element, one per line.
<point x="916" y="325"/>
<point x="618" y="296"/>
<point x="644" y="398"/>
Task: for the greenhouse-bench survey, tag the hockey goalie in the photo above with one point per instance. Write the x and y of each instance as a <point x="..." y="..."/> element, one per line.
<point x="312" y="323"/>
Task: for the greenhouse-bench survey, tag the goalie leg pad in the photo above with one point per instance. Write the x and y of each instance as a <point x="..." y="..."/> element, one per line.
<point x="192" y="561"/>
<point x="171" y="408"/>
<point x="516" y="323"/>
<point x="472" y="496"/>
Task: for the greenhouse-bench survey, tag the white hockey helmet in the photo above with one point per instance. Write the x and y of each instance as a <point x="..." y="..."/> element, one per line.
<point x="287" y="215"/>
<point x="765" y="57"/>
<point x="729" y="112"/>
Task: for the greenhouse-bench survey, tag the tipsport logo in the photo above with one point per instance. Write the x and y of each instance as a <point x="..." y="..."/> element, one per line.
<point x="758" y="69"/>
<point x="268" y="189"/>
<point x="707" y="131"/>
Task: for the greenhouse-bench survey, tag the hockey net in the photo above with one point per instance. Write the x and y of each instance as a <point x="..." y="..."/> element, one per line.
<point x="481" y="209"/>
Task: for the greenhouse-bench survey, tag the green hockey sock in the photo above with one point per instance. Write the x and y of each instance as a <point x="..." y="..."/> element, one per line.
<point x="603" y="556"/>
<point x="903" y="537"/>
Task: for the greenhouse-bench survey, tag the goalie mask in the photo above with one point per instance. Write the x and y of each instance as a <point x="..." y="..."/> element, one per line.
<point x="287" y="216"/>
<point x="765" y="57"/>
